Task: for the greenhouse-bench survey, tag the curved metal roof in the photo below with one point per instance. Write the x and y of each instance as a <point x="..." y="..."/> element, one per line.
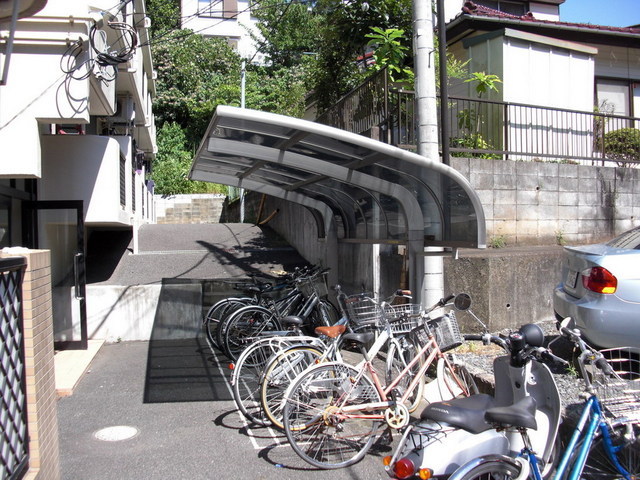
<point x="363" y="189"/>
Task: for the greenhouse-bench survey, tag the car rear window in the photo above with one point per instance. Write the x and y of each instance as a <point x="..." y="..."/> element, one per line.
<point x="630" y="240"/>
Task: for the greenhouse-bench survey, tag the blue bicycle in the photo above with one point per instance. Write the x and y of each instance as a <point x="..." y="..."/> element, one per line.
<point x="605" y="443"/>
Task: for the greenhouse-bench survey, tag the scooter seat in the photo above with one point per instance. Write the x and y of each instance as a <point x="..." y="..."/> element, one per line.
<point x="466" y="413"/>
<point x="520" y="414"/>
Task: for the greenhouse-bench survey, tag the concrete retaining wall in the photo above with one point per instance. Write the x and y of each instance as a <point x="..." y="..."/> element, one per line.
<point x="508" y="287"/>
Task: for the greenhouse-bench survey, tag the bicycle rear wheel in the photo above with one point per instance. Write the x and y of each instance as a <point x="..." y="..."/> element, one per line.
<point x="281" y="370"/>
<point x="490" y="468"/>
<point x="625" y="438"/>
<point x="245" y="326"/>
<point x="317" y="429"/>
<point x="218" y="312"/>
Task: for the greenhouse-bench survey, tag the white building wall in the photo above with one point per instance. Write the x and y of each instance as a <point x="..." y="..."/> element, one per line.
<point x="544" y="11"/>
<point x="236" y="27"/>
<point x="86" y="167"/>
<point x="37" y="92"/>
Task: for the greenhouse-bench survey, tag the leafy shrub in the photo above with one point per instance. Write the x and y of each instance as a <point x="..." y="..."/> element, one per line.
<point x="623" y="145"/>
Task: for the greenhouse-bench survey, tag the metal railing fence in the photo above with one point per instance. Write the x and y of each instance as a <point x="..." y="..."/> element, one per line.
<point x="492" y="129"/>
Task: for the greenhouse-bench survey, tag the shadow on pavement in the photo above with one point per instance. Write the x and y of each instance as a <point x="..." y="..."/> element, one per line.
<point x="182" y="371"/>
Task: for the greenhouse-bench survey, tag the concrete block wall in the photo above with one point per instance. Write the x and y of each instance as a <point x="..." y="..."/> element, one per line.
<point x="196" y="208"/>
<point x="538" y="203"/>
<point x="42" y="415"/>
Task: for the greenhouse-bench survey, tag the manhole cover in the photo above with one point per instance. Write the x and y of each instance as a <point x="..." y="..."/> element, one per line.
<point x="116" y="434"/>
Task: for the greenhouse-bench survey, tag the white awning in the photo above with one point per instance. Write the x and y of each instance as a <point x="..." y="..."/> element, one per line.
<point x="362" y="189"/>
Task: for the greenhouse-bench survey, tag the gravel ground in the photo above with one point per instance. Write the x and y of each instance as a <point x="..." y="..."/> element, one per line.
<point x="479" y="360"/>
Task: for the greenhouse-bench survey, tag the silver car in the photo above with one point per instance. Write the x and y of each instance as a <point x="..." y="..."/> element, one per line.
<point x="600" y="291"/>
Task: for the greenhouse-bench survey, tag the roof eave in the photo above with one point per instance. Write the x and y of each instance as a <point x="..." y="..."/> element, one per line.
<point x="463" y="24"/>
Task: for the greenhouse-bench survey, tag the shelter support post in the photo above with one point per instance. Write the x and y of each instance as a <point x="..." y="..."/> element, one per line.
<point x="416" y="263"/>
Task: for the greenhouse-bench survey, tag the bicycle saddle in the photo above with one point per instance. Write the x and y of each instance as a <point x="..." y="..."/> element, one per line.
<point x="331" y="332"/>
<point x="520" y="414"/>
<point x="359" y="338"/>
<point x="466" y="413"/>
<point x="292" y="321"/>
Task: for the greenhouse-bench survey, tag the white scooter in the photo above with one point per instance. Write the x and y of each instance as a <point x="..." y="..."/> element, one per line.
<point x="450" y="433"/>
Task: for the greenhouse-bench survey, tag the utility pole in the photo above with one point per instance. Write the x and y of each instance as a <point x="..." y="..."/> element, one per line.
<point x="427" y="130"/>
<point x="243" y="75"/>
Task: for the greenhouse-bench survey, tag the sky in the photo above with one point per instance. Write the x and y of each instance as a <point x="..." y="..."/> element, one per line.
<point x="615" y="13"/>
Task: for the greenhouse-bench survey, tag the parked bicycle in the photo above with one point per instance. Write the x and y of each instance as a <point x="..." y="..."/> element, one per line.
<point x="249" y="323"/>
<point x="605" y="442"/>
<point x="283" y="368"/>
<point x="252" y="293"/>
<point x="333" y="412"/>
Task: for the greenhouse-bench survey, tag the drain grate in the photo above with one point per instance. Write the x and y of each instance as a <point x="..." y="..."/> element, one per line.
<point x="116" y="433"/>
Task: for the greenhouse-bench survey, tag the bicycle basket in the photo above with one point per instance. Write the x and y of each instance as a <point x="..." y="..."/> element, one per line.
<point x="404" y="318"/>
<point x="619" y="394"/>
<point x="444" y="329"/>
<point x="363" y="311"/>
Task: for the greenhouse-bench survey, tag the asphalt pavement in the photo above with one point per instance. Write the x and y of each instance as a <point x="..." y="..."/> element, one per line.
<point x="163" y="409"/>
<point x="147" y="410"/>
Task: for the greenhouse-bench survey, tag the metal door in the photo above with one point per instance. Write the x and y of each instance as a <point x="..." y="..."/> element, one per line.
<point x="58" y="226"/>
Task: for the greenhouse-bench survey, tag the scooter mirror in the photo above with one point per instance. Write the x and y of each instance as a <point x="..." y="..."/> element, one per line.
<point x="462" y="301"/>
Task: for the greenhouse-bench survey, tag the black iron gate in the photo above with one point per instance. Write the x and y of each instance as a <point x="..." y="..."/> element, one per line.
<point x="14" y="446"/>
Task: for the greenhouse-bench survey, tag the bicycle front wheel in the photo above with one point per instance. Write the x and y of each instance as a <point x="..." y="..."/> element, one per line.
<point x="454" y="380"/>
<point x="316" y="425"/>
<point x="324" y="314"/>
<point x="625" y="438"/>
<point x="247" y="376"/>
<point x="281" y="370"/>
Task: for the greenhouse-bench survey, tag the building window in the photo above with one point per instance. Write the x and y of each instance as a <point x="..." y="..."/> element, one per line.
<point x="613" y="96"/>
<point x="218" y="8"/>
<point x="506" y="6"/>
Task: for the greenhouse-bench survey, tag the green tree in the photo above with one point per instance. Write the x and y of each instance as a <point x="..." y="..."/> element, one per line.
<point x="173" y="162"/>
<point x="390" y="53"/>
<point x="288" y="30"/>
<point x="164" y="15"/>
<point x="195" y="74"/>
<point x="344" y="39"/>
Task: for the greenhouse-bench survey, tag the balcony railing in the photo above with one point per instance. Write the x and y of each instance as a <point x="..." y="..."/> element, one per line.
<point x="488" y="129"/>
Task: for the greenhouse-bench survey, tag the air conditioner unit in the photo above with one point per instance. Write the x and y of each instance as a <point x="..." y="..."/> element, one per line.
<point x="125" y="111"/>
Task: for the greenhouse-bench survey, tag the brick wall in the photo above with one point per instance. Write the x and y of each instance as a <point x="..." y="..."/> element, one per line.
<point x="42" y="416"/>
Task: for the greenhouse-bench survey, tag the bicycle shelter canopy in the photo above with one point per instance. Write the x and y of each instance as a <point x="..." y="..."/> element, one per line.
<point x="358" y="189"/>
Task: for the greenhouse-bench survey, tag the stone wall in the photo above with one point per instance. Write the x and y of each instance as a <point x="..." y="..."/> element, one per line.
<point x="537" y="203"/>
<point x="197" y="208"/>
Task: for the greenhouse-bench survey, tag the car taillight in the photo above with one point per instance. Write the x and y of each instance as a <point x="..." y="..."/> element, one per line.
<point x="599" y="280"/>
<point x="404" y="468"/>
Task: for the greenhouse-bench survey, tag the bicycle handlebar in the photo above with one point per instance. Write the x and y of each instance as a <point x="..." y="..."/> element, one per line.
<point x="487" y="338"/>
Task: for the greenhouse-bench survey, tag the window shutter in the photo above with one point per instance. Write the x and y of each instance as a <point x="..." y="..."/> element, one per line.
<point x="229" y="8"/>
